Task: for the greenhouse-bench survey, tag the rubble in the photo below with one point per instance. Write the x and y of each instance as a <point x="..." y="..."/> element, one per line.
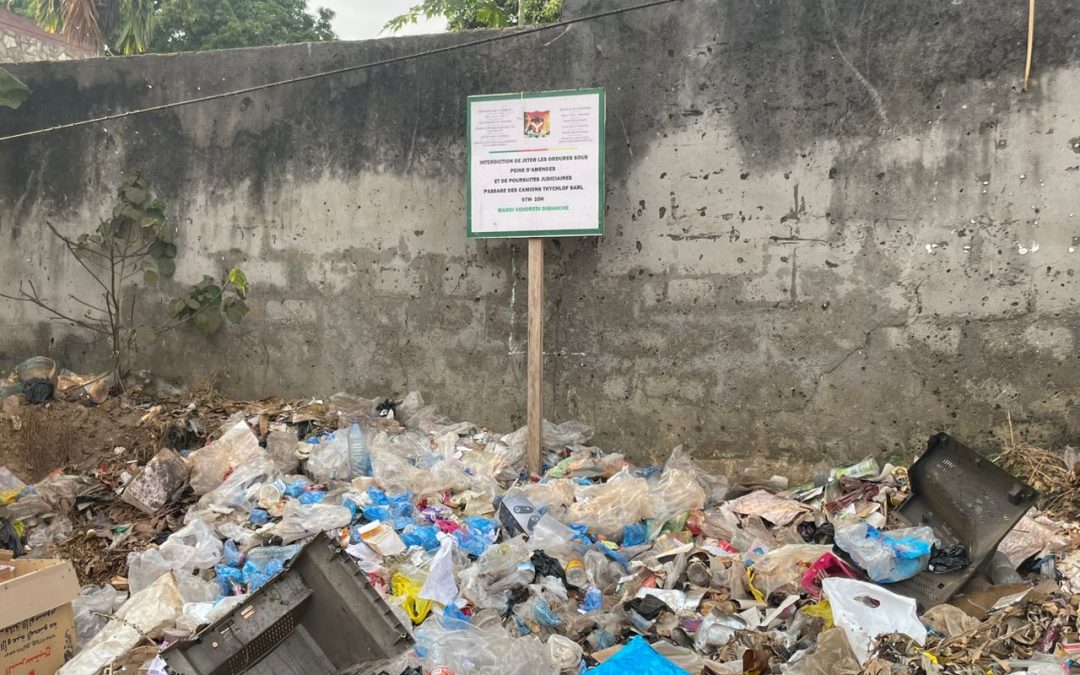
<point x="597" y="564"/>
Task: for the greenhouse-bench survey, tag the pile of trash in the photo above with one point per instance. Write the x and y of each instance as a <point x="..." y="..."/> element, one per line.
<point x="595" y="566"/>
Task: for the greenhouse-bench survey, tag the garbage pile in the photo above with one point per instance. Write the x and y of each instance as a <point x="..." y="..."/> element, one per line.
<point x="596" y="566"/>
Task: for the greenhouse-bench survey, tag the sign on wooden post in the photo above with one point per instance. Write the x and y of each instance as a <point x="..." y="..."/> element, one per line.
<point x="536" y="169"/>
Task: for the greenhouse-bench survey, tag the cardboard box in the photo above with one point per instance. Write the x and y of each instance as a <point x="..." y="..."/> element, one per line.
<point x="37" y="626"/>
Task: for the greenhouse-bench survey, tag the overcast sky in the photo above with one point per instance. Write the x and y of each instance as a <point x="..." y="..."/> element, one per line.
<point x="363" y="19"/>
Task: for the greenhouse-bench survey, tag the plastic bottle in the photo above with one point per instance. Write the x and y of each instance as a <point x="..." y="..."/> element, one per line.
<point x="576" y="575"/>
<point x="359" y="459"/>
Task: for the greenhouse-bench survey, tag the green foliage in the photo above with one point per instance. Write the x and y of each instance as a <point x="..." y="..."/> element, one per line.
<point x="190" y="25"/>
<point x="137" y="26"/>
<point x="13" y="93"/>
<point x="468" y="14"/>
<point x="208" y="303"/>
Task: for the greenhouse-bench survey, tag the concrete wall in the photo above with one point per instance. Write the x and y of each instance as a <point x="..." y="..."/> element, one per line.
<point x="833" y="228"/>
<point x="21" y="41"/>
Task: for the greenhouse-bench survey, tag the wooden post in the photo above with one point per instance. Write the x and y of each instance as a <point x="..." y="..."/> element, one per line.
<point x="535" y="417"/>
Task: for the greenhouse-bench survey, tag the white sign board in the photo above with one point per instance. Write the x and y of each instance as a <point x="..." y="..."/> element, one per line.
<point x="536" y="164"/>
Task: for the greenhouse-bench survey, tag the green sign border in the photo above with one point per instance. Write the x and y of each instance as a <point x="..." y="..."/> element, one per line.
<point x="599" y="230"/>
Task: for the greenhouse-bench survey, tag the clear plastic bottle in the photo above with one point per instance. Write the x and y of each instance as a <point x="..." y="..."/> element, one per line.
<point x="359" y="459"/>
<point x="576" y="575"/>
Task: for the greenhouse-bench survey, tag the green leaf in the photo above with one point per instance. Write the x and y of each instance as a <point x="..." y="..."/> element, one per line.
<point x="235" y="309"/>
<point x="208" y="321"/>
<point x="166" y="267"/>
<point x="136" y="195"/>
<point x="13" y="93"/>
<point x="157" y="249"/>
<point x="177" y="306"/>
<point x="150" y="277"/>
<point x="168" y="250"/>
<point x="239" y="281"/>
<point x="192" y="303"/>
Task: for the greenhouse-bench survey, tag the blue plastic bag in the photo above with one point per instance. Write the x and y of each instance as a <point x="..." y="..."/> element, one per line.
<point x="638" y="657"/>
<point x="544" y="615"/>
<point x="592" y="602"/>
<point x="231" y="554"/>
<point x="297" y="487"/>
<point x="421" y="535"/>
<point x="259" y="516"/>
<point x="312" y="497"/>
<point x="635" y="535"/>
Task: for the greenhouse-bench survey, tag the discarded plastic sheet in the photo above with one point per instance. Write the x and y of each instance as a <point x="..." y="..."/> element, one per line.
<point x="637" y="657"/>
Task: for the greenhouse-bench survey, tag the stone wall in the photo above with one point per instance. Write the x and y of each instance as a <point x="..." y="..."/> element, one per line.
<point x="21" y="41"/>
<point x="833" y="229"/>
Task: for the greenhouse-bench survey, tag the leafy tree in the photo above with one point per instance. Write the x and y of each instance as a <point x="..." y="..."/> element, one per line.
<point x="190" y="25"/>
<point x="136" y="26"/>
<point x="467" y="14"/>
<point x="123" y="25"/>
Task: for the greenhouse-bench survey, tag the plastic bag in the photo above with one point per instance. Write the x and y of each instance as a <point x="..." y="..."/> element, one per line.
<point x="458" y="647"/>
<point x="192" y="547"/>
<point x="832" y="655"/>
<point x="638" y="657"/>
<point x="145" y="612"/>
<point x="92" y="609"/>
<point x="565" y="654"/>
<point x="776" y="510"/>
<point x="301" y="520"/>
<point x="241" y="489"/>
<point x="281" y="448"/>
<point x="197" y="614"/>
<point x="42" y="541"/>
<point x="212" y="464"/>
<point x="784" y="567"/>
<point x="678" y="491"/>
<point x="888" y="557"/>
<point x="440" y="586"/>
<point x="606" y="507"/>
<point x="407" y="590"/>
<point x="865" y="611"/>
<point x="824" y="567"/>
<point x="330" y="458"/>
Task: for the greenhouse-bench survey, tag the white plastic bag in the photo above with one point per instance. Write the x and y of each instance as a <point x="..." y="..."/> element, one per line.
<point x="678" y="490"/>
<point x="440" y="585"/>
<point x="192" y="547"/>
<point x="240" y="489"/>
<point x="212" y="464"/>
<point x="889" y="556"/>
<point x="330" y="458"/>
<point x="866" y="611"/>
<point x="606" y="507"/>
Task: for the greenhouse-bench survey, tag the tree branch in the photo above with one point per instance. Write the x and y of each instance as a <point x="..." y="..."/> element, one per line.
<point x="34" y="298"/>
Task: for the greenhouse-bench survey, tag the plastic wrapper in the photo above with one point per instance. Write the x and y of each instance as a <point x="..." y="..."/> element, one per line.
<point x="832" y="655"/>
<point x="301" y="521"/>
<point x="195" y="589"/>
<point x="212" y="464"/>
<point x="776" y="510"/>
<point x="151" y="609"/>
<point x="330" y="458"/>
<point x="717" y="630"/>
<point x="407" y="591"/>
<point x="606" y="507"/>
<point x="678" y="490"/>
<point x="890" y="556"/>
<point x="784" y="567"/>
<point x="865" y="611"/>
<point x="93" y="608"/>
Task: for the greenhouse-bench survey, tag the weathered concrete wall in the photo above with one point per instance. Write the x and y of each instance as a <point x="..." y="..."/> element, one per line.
<point x="21" y="42"/>
<point x="833" y="228"/>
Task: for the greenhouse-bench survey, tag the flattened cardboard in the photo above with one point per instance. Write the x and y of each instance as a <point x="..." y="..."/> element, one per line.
<point x="37" y="625"/>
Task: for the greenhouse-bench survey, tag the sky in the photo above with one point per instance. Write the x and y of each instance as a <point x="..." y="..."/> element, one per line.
<point x="363" y="19"/>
